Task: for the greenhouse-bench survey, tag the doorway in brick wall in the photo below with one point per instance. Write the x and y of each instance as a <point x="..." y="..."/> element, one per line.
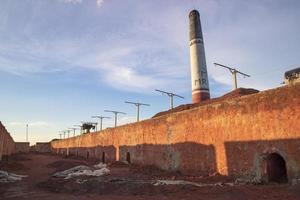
<point x="103" y="157"/>
<point x="276" y="168"/>
<point x="128" y="159"/>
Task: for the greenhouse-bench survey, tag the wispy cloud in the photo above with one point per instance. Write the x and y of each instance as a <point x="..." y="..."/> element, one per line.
<point x="31" y="124"/>
<point x="139" y="52"/>
<point x="73" y="1"/>
<point x="99" y="3"/>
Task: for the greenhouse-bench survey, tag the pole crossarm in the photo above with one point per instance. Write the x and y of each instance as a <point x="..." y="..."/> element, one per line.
<point x="101" y="119"/>
<point x="115" y="112"/>
<point x="171" y="96"/>
<point x="233" y="72"/>
<point x="116" y="115"/>
<point x="137" y="104"/>
<point x="73" y="129"/>
<point x="80" y="128"/>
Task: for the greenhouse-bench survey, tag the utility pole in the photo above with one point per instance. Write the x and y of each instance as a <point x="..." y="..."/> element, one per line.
<point x="138" y="108"/>
<point x="171" y="95"/>
<point x="26" y="132"/>
<point x="73" y="131"/>
<point x="60" y="134"/>
<point x="233" y="72"/>
<point x="64" y="132"/>
<point x="101" y="120"/>
<point x="80" y="126"/>
<point x="116" y="115"/>
<point x="68" y="131"/>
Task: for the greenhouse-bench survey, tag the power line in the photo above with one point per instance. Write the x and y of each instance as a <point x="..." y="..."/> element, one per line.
<point x="138" y="108"/>
<point x="74" y="129"/>
<point x="171" y="96"/>
<point x="116" y="114"/>
<point x="26" y="132"/>
<point x="101" y="120"/>
<point x="68" y="131"/>
<point x="233" y="72"/>
<point x="80" y="126"/>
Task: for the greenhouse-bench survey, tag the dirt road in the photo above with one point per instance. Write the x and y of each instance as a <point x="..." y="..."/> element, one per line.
<point x="124" y="182"/>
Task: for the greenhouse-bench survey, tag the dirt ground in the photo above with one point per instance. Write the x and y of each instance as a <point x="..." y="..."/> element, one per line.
<point x="124" y="182"/>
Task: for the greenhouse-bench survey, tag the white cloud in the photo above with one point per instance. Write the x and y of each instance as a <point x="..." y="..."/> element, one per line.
<point x="99" y="3"/>
<point x="17" y="124"/>
<point x="139" y="52"/>
<point x="73" y="1"/>
<point x="31" y="124"/>
<point x="39" y="124"/>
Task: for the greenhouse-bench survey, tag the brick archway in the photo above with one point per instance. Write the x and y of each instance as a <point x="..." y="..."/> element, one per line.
<point x="275" y="168"/>
<point x="128" y="159"/>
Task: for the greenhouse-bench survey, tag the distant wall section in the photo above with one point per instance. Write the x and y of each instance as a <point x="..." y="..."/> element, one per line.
<point x="43" y="147"/>
<point x="230" y="137"/>
<point x="7" y="144"/>
<point x="22" y="147"/>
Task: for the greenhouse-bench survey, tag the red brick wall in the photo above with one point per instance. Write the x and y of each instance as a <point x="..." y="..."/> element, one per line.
<point x="43" y="147"/>
<point x="7" y="144"/>
<point x="230" y="137"/>
<point x="22" y="147"/>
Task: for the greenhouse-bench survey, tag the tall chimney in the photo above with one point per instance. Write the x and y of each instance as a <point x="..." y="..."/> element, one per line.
<point x="200" y="87"/>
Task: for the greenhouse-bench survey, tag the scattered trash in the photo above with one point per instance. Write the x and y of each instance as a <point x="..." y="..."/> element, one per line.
<point x="125" y="162"/>
<point x="81" y="181"/>
<point x="65" y="173"/>
<point x="176" y="182"/>
<point x="6" y="177"/>
<point x="245" y="181"/>
<point x="100" y="165"/>
<point x="182" y="182"/>
<point x="295" y="181"/>
<point x="82" y="170"/>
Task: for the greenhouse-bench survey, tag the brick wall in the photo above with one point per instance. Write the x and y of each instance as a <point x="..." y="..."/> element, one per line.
<point x="7" y="144"/>
<point x="231" y="137"/>
<point x="43" y="147"/>
<point x="22" y="147"/>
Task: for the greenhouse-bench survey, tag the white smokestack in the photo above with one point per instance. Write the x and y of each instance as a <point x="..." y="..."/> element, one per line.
<point x="200" y="86"/>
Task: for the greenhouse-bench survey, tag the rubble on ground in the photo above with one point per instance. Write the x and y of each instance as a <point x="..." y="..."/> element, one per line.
<point x="83" y="170"/>
<point x="6" y="177"/>
<point x="182" y="182"/>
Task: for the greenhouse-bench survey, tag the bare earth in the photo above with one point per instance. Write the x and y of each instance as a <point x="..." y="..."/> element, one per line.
<point x="124" y="182"/>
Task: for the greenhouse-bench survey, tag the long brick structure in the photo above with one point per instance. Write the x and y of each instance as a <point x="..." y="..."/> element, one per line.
<point x="22" y="147"/>
<point x="7" y="144"/>
<point x="240" y="137"/>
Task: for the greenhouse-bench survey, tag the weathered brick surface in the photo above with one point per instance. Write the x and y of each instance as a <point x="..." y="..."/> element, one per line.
<point x="7" y="144"/>
<point x="22" y="147"/>
<point x="230" y="137"/>
<point x="42" y="147"/>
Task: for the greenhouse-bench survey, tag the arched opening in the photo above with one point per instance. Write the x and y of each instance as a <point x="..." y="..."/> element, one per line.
<point x="87" y="154"/>
<point x="276" y="168"/>
<point x="103" y="157"/>
<point x="128" y="157"/>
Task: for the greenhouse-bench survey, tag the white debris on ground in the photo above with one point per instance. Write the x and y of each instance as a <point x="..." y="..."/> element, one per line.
<point x="65" y="173"/>
<point x="182" y="182"/>
<point x="83" y="170"/>
<point x="100" y="165"/>
<point x="6" y="177"/>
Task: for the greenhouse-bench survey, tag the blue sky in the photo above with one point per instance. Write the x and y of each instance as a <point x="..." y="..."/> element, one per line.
<point x="62" y="61"/>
